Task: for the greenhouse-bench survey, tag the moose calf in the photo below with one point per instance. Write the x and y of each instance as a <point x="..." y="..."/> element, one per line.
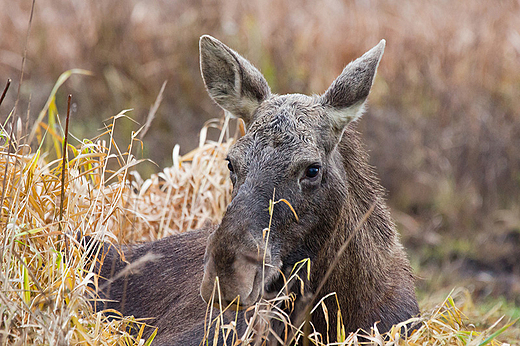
<point x="306" y="151"/>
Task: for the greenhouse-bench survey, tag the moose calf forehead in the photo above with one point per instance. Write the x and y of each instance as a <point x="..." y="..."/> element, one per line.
<point x="288" y="120"/>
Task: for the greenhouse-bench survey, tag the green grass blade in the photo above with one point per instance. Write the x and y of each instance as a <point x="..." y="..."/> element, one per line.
<point x="497" y="333"/>
<point x="26" y="287"/>
<point x="63" y="77"/>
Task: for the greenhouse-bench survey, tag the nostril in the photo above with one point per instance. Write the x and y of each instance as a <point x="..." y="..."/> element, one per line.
<point x="205" y="293"/>
<point x="209" y="284"/>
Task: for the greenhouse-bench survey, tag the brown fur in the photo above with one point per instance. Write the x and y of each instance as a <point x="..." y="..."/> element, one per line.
<point x="288" y="137"/>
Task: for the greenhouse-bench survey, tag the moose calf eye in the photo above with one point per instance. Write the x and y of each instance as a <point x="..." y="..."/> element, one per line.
<point x="230" y="166"/>
<point x="312" y="171"/>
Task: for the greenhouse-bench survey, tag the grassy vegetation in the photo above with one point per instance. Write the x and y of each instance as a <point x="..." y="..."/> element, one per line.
<point x="443" y="129"/>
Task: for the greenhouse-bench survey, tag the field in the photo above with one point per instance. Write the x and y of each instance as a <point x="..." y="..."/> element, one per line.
<point x="442" y="127"/>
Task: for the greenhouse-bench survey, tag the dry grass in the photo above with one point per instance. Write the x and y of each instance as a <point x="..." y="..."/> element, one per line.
<point x="443" y="129"/>
<point x="47" y="280"/>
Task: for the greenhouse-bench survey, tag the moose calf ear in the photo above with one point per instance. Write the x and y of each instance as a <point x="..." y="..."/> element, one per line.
<point x="346" y="96"/>
<point x="232" y="82"/>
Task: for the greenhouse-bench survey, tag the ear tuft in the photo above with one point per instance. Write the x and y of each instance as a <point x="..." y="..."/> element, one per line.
<point x="232" y="81"/>
<point x="346" y="96"/>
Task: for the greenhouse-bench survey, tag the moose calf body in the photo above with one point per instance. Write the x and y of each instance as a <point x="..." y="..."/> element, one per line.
<point x="303" y="150"/>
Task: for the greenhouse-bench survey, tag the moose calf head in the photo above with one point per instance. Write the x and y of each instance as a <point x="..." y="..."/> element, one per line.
<point x="289" y="151"/>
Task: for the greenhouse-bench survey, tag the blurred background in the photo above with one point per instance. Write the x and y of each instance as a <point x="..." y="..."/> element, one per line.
<point x="442" y="126"/>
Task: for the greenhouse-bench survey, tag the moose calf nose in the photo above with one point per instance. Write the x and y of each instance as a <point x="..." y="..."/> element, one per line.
<point x="241" y="280"/>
